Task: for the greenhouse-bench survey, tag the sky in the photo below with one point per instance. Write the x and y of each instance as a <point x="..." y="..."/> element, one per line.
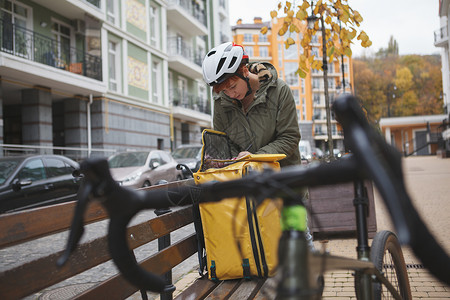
<point x="412" y="23"/>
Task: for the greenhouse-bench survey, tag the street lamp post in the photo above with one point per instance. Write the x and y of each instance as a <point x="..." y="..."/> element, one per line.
<point x="311" y="20"/>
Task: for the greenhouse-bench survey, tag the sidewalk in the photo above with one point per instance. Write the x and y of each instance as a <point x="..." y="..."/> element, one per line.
<point x="428" y="183"/>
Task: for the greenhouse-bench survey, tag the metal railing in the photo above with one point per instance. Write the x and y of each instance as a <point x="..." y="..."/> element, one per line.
<point x="179" y="47"/>
<point x="194" y="102"/>
<point x="74" y="153"/>
<point x="21" y="42"/>
<point x="192" y="8"/>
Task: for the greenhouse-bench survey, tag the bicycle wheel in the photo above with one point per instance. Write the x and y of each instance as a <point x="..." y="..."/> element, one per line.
<point x="387" y="256"/>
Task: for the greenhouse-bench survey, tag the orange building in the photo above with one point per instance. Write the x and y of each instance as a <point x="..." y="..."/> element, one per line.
<point x="308" y="92"/>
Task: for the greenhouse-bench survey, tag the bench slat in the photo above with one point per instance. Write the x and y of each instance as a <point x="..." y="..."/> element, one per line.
<point x="268" y="290"/>
<point x="118" y="288"/>
<point x="201" y="288"/>
<point x="20" y="227"/>
<point x="224" y="289"/>
<point x="247" y="289"/>
<point x="43" y="272"/>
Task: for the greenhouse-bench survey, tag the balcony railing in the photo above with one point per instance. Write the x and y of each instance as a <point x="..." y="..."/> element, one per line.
<point x="94" y="2"/>
<point x="179" y="47"/>
<point x="33" y="46"/>
<point x="440" y="35"/>
<point x="192" y="8"/>
<point x="197" y="103"/>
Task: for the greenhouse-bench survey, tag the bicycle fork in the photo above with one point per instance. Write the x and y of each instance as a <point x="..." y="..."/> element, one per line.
<point x="361" y="204"/>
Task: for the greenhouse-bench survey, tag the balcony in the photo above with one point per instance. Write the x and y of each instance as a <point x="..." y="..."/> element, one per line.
<point x="189" y="107"/>
<point x="187" y="16"/>
<point x="183" y="58"/>
<point x="441" y="37"/>
<point x="29" y="45"/>
<point x="74" y="9"/>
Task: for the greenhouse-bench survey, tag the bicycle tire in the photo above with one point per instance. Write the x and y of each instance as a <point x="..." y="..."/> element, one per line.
<point x="387" y="256"/>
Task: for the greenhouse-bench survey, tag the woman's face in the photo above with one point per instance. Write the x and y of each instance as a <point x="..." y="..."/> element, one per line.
<point x="237" y="89"/>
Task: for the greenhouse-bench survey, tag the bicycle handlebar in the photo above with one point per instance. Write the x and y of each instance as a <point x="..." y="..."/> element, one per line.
<point x="372" y="159"/>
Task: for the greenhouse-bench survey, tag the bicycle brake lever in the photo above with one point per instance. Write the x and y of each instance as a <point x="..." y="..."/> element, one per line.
<point x="77" y="227"/>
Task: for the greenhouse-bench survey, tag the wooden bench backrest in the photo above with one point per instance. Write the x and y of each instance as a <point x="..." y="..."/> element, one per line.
<point x="31" y="277"/>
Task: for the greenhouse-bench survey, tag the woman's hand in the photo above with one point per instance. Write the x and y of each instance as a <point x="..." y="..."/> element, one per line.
<point x="242" y="154"/>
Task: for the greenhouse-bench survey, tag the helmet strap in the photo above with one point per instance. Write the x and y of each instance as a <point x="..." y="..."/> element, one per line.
<point x="246" y="79"/>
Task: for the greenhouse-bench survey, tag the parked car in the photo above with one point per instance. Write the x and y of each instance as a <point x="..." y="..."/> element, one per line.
<point x="36" y="180"/>
<point x="144" y="168"/>
<point x="189" y="155"/>
<point x="336" y="152"/>
<point x="305" y="150"/>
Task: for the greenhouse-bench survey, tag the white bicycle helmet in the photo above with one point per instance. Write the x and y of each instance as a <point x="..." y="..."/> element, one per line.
<point x="222" y="62"/>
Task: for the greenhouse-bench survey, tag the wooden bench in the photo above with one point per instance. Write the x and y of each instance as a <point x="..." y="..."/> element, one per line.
<point x="36" y="275"/>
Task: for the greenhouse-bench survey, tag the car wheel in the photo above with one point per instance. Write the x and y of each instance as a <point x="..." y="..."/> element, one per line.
<point x="146" y="184"/>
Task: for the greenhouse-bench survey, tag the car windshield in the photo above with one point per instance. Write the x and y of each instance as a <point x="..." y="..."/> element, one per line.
<point x="186" y="152"/>
<point x="130" y="159"/>
<point x="7" y="167"/>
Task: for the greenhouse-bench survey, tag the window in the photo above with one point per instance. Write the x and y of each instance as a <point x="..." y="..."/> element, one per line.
<point x="316" y="98"/>
<point x="291" y="52"/>
<point x="316" y="83"/>
<point x="111" y="11"/>
<point x="262" y="38"/>
<point x="154" y="26"/>
<point x="156" y="82"/>
<point x="304" y="108"/>
<point x="303" y="85"/>
<point x="248" y="38"/>
<point x="114" y="66"/>
<point x="249" y="51"/>
<point x="14" y="39"/>
<point x="61" y="34"/>
<point x="296" y="96"/>
<point x="314" y="39"/>
<point x="291" y="77"/>
<point x="57" y="167"/>
<point x="315" y="51"/>
<point x="33" y="170"/>
<point x="264" y="51"/>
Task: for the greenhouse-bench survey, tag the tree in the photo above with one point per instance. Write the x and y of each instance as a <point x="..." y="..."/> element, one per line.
<point x="391" y="50"/>
<point x="338" y="27"/>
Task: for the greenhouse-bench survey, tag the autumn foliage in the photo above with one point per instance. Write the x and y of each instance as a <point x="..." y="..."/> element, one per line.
<point x="341" y="28"/>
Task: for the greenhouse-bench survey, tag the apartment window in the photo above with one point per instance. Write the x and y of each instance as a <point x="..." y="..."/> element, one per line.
<point x="280" y="56"/>
<point x="262" y="38"/>
<point x="304" y="108"/>
<point x="316" y="83"/>
<point x="263" y="51"/>
<point x="111" y="11"/>
<point x="114" y="65"/>
<point x="299" y="114"/>
<point x="316" y="98"/>
<point x="303" y="85"/>
<point x="315" y="51"/>
<point x="249" y="51"/>
<point x="296" y="96"/>
<point x="291" y="52"/>
<point x="330" y="68"/>
<point x="156" y="82"/>
<point x="17" y="14"/>
<point x="331" y="83"/>
<point x="248" y="38"/>
<point x="154" y="26"/>
<point x="314" y="39"/>
<point x="290" y="69"/>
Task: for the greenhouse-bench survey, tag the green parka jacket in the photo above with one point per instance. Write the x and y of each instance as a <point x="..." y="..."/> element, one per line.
<point x="270" y="125"/>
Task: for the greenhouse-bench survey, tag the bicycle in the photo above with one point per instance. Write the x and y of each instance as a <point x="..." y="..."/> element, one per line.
<point x="301" y="270"/>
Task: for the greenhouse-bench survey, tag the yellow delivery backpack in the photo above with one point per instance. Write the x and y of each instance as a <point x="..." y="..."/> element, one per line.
<point x="240" y="238"/>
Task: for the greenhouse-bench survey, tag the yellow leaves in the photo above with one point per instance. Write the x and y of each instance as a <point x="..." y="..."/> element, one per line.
<point x="273" y="14"/>
<point x="293" y="28"/>
<point x="301" y="73"/>
<point x="330" y="51"/>
<point x="301" y="15"/>
<point x="283" y="29"/>
<point x="365" y="41"/>
<point x="348" y="52"/>
<point x="357" y="17"/>
<point x="289" y="41"/>
<point x="264" y="30"/>
<point x="305" y="5"/>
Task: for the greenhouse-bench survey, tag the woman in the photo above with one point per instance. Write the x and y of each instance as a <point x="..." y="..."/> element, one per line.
<point x="252" y="105"/>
